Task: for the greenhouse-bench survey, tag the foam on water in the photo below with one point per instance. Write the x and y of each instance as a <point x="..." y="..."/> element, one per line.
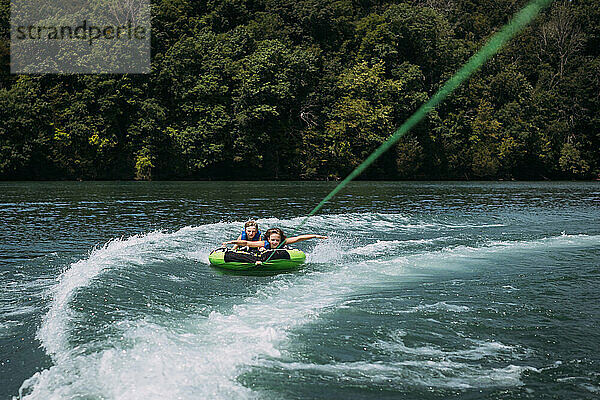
<point x="474" y="349"/>
<point x="20" y="301"/>
<point x="437" y="307"/>
<point x="390" y="246"/>
<point x="8" y="327"/>
<point x="427" y="373"/>
<point x="591" y="388"/>
<point x="457" y="256"/>
<point x="54" y="331"/>
<point x="20" y="310"/>
<point x="118" y="253"/>
<point x="205" y="354"/>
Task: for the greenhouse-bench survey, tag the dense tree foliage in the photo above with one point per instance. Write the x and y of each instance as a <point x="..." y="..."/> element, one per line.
<point x="251" y="89"/>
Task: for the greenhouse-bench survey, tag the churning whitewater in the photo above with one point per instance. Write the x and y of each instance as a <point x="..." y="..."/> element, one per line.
<point x="389" y="303"/>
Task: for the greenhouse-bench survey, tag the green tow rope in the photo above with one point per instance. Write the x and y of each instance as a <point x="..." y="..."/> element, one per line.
<point x="493" y="45"/>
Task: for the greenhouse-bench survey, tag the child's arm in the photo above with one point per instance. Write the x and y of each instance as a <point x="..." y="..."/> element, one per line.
<point x="236" y="246"/>
<point x="302" y="238"/>
<point x="248" y="243"/>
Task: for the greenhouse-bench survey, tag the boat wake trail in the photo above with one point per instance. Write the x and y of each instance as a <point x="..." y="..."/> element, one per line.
<point x="144" y="317"/>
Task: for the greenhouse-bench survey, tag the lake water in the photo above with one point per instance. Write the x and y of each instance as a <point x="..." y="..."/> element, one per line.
<point x="423" y="291"/>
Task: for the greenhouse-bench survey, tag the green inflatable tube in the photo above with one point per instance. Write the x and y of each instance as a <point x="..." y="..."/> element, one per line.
<point x="282" y="260"/>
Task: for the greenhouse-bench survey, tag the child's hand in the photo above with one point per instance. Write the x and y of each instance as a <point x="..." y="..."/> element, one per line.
<point x="321" y="237"/>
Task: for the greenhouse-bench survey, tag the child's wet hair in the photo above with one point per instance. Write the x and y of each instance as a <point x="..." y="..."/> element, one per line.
<point x="270" y="231"/>
<point x="251" y="223"/>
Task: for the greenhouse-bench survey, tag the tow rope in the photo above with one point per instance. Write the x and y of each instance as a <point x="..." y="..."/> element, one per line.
<point x="492" y="46"/>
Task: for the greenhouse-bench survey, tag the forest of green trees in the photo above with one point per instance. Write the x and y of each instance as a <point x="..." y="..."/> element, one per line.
<point x="307" y="89"/>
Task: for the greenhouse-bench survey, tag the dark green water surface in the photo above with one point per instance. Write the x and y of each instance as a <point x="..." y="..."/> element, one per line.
<point x="422" y="291"/>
